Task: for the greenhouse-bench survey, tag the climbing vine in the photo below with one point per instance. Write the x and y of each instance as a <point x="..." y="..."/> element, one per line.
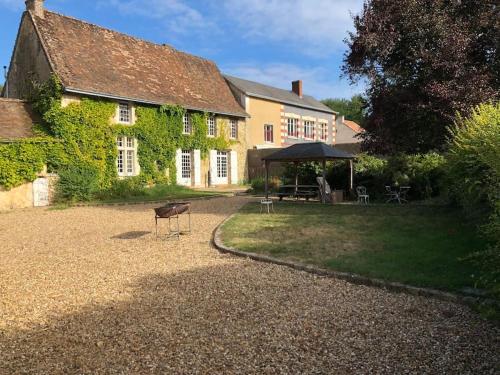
<point x="81" y="137"/>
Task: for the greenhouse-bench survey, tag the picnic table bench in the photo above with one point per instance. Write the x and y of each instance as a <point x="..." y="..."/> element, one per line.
<point x="298" y="191"/>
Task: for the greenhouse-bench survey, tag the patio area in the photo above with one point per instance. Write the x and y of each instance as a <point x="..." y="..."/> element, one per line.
<point x="91" y="290"/>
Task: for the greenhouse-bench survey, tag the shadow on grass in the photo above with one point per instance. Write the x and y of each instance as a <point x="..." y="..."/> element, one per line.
<point x="233" y="319"/>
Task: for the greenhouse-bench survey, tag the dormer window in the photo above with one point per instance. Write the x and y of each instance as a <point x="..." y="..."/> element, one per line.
<point x="186" y="122"/>
<point x="211" y="126"/>
<point x="124" y="113"/>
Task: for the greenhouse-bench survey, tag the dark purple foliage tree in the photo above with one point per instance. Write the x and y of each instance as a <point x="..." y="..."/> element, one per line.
<point x="424" y="60"/>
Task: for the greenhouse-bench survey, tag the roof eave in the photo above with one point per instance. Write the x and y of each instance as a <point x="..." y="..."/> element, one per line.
<point x="150" y="102"/>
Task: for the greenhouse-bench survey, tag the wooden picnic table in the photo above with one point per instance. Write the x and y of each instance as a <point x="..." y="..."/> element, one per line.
<point x="299" y="191"/>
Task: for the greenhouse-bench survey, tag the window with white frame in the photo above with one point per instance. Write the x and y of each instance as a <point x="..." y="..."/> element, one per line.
<point x="309" y="129"/>
<point x="293" y="128"/>
<point x="221" y="164"/>
<point x="127" y="156"/>
<point x="268" y="134"/>
<point x="186" y="164"/>
<point x="323" y="127"/>
<point x="186" y="122"/>
<point x="124" y="113"/>
<point x="233" y="131"/>
<point x="211" y="126"/>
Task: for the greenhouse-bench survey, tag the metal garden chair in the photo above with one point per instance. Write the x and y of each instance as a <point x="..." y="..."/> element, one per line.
<point x="362" y="194"/>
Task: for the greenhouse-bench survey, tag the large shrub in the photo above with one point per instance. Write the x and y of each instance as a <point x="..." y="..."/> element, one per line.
<point x="473" y="178"/>
<point x="422" y="172"/>
<point x="78" y="182"/>
<point x="259" y="184"/>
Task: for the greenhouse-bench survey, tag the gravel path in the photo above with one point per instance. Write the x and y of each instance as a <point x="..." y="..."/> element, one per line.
<point x="90" y="290"/>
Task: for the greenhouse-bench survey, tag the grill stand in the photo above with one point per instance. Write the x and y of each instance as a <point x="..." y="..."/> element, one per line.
<point x="178" y="232"/>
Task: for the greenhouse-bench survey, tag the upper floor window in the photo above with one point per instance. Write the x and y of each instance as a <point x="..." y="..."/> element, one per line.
<point x="293" y="128"/>
<point x="127" y="156"/>
<point x="124" y="113"/>
<point x="211" y="126"/>
<point x="309" y="129"/>
<point x="323" y="131"/>
<point x="233" y="131"/>
<point x="186" y="122"/>
<point x="268" y="134"/>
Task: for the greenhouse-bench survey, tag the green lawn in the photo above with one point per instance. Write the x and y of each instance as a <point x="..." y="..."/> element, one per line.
<point x="156" y="193"/>
<point x="416" y="245"/>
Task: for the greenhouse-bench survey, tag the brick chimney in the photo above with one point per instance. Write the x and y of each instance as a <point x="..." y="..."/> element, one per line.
<point x="297" y="87"/>
<point x="35" y="7"/>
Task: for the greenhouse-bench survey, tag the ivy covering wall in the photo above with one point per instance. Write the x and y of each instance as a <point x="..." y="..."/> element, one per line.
<point x="80" y="138"/>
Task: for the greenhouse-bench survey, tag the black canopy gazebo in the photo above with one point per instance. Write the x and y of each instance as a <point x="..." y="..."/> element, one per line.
<point x="307" y="152"/>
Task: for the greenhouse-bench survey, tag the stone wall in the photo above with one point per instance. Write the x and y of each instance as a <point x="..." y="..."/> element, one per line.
<point x="29" y="62"/>
<point x="23" y="196"/>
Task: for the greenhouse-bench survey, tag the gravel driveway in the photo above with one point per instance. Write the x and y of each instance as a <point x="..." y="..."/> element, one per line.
<point x="90" y="290"/>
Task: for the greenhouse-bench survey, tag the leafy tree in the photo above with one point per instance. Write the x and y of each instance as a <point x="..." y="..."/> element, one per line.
<point x="424" y="60"/>
<point x="352" y="109"/>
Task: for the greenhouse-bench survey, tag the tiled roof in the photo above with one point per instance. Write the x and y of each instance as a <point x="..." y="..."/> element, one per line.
<point x="16" y="119"/>
<point x="93" y="60"/>
<point x="314" y="151"/>
<point x="353" y="126"/>
<point x="260" y="90"/>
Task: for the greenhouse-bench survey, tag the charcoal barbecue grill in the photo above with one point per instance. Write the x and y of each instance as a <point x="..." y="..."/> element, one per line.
<point x="173" y="211"/>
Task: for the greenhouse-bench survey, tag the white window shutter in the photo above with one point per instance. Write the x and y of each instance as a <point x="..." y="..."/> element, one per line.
<point x="213" y="167"/>
<point x="234" y="167"/>
<point x="178" y="166"/>
<point x="197" y="167"/>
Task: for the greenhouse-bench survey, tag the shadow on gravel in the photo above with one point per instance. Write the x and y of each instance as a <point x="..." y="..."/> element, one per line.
<point x="251" y="318"/>
<point x="131" y="235"/>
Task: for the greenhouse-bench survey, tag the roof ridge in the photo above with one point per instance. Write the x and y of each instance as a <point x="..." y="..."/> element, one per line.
<point x="163" y="45"/>
<point x="262" y="84"/>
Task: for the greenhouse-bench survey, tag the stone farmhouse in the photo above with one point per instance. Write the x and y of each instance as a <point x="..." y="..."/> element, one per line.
<point x="95" y="62"/>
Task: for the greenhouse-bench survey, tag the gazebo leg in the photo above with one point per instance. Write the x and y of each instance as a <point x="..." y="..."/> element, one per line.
<point x="267" y="180"/>
<point x="351" y="177"/>
<point x="324" y="182"/>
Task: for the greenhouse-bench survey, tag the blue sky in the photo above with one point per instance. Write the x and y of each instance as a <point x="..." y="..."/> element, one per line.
<point x="269" y="41"/>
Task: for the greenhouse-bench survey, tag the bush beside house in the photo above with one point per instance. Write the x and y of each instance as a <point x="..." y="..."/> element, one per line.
<point x="473" y="180"/>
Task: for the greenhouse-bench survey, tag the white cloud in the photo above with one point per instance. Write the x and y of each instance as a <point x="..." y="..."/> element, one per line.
<point x="316" y="26"/>
<point x="318" y="81"/>
<point x="176" y="15"/>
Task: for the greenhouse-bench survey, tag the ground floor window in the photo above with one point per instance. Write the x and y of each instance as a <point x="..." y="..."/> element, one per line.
<point x="186" y="164"/>
<point x="221" y="164"/>
<point x="268" y="134"/>
<point x="127" y="156"/>
<point x="308" y="129"/>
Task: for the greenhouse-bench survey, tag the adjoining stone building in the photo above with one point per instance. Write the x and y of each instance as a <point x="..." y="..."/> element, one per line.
<point x="348" y="135"/>
<point x="16" y="123"/>
<point x="280" y="118"/>
<point x="95" y="62"/>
